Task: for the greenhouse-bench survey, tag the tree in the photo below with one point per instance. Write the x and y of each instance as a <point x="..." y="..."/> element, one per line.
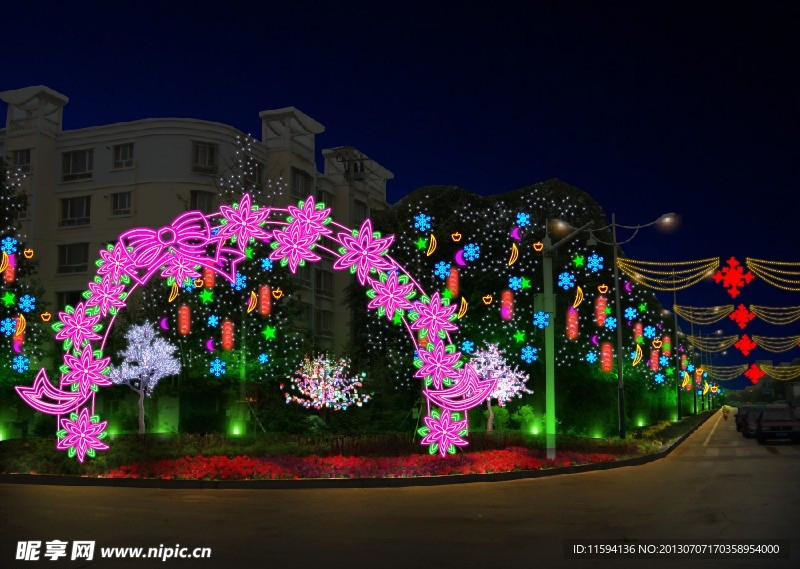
<point x="490" y="363"/>
<point x="324" y="383"/>
<point x="147" y="359"/>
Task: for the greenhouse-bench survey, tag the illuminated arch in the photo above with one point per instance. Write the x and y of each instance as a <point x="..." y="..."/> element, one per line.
<point x="217" y="242"/>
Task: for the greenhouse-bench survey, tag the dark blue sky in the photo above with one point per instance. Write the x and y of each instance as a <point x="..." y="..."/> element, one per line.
<point x="649" y="107"/>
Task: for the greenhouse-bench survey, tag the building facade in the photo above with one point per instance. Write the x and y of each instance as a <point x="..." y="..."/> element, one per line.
<point x="87" y="186"/>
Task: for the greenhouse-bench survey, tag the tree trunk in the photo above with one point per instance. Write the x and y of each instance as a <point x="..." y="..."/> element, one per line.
<point x="490" y="420"/>
<point x="141" y="409"/>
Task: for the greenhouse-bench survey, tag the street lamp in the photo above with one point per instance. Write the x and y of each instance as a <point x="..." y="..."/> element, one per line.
<point x="549" y="307"/>
<point x="665" y="220"/>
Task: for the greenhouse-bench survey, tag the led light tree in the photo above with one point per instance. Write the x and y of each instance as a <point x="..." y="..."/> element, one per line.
<point x="326" y="383"/>
<point x="490" y="363"/>
<point x="147" y="359"/>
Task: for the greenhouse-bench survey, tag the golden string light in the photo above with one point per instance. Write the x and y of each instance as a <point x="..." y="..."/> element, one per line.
<point x="712" y="344"/>
<point x="702" y="315"/>
<point x="778" y="315"/>
<point x="782" y="372"/>
<point x="776" y="273"/>
<point x="775" y="345"/>
<point x="725" y="373"/>
<point x="680" y="275"/>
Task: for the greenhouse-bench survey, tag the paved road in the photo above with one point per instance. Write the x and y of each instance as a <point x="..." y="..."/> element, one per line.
<point x="715" y="486"/>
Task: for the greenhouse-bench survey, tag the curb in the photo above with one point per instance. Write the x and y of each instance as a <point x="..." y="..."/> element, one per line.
<point x="330" y="483"/>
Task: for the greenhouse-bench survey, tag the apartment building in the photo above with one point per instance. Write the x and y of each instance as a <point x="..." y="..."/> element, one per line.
<point x="88" y="185"/>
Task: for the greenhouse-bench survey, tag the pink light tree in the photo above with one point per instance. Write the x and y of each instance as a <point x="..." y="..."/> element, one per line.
<point x="489" y="363"/>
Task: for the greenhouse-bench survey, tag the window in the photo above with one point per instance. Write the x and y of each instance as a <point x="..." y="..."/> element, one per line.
<point x="204" y="157"/>
<point x="74" y="211"/>
<point x="255" y="174"/>
<point x="123" y="156"/>
<point x="77" y="165"/>
<point x="304" y="274"/>
<point x="306" y="316"/>
<point x="301" y="183"/>
<point x="68" y="297"/>
<point x="324" y="196"/>
<point x="324" y="322"/>
<point x="121" y="203"/>
<point x="73" y="258"/>
<point x="324" y="282"/>
<point x="360" y="212"/>
<point x="22" y="160"/>
<point x="23" y="207"/>
<point x="204" y="201"/>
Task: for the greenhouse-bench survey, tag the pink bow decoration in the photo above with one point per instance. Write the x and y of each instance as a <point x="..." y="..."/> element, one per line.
<point x="189" y="234"/>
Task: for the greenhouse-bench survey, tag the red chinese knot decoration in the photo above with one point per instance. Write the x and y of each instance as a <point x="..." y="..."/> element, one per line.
<point x="745" y="345"/>
<point x="754" y="373"/>
<point x="733" y="277"/>
<point x="741" y="316"/>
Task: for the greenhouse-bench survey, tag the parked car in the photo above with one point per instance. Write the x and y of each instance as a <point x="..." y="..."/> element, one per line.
<point x="779" y="424"/>
<point x="741" y="413"/>
<point x="750" y="422"/>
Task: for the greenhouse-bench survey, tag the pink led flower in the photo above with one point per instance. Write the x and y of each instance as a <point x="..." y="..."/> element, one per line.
<point x="105" y="295"/>
<point x="294" y="245"/>
<point x="444" y="432"/>
<point x="437" y="363"/>
<point x="364" y="251"/>
<point x="180" y="267"/>
<point x="434" y="316"/>
<point x="311" y="218"/>
<point x="390" y="294"/>
<point x="81" y="436"/>
<point x="85" y="370"/>
<point x="243" y="222"/>
<point x="115" y="263"/>
<point x="76" y="326"/>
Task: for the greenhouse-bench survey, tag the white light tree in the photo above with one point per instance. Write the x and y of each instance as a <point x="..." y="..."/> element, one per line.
<point x="147" y="359"/>
<point x="490" y="363"/>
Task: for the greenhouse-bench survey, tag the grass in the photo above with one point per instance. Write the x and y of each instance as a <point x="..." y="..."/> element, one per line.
<point x="38" y="455"/>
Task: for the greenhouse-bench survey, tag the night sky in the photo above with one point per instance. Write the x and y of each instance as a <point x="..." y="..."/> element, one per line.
<point x="649" y="107"/>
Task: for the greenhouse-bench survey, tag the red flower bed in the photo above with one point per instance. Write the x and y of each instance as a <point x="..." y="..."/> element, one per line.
<point x="291" y="467"/>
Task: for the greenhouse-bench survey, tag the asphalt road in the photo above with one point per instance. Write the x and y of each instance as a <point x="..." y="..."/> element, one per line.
<point x="715" y="486"/>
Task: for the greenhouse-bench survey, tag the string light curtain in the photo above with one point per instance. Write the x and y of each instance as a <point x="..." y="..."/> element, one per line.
<point x="702" y="315"/>
<point x="668" y="276"/>
<point x="776" y="345"/>
<point x="725" y="373"/>
<point x="782" y="372"/>
<point x="777" y="315"/>
<point x="781" y="274"/>
<point x="713" y="344"/>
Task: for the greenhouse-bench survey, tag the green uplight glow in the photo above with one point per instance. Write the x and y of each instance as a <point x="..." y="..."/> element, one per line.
<point x="640" y="423"/>
<point x="597" y="435"/>
<point x="535" y="430"/>
<point x="236" y="429"/>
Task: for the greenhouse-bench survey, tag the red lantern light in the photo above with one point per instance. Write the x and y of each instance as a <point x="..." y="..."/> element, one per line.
<point x="227" y="335"/>
<point x="184" y="320"/>
<point x="11" y="270"/>
<point x="607" y="356"/>
<point x="507" y="305"/>
<point x="683" y="362"/>
<point x="600" y="310"/>
<point x="637" y="331"/>
<point x="452" y="282"/>
<point x="572" y="323"/>
<point x="209" y="277"/>
<point x="653" y="363"/>
<point x="264" y="300"/>
<point x="666" y="345"/>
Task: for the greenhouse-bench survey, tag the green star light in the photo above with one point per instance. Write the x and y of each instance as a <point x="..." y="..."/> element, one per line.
<point x="269" y="332"/>
<point x="578" y="260"/>
<point x="519" y="336"/>
<point x="207" y="296"/>
<point x="422" y="243"/>
<point x="9" y="298"/>
<point x="526" y="283"/>
<point x="643" y="307"/>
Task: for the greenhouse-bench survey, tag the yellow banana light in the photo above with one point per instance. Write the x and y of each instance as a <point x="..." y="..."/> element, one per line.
<point x="4" y="262"/>
<point x="20" y="326"/>
<point x="705" y="387"/>
<point x="514" y="254"/>
<point x="462" y="310"/>
<point x="579" y="298"/>
<point x="251" y="305"/>
<point x="638" y="357"/>
<point x="687" y="379"/>
<point x="431" y="245"/>
<point x="173" y="294"/>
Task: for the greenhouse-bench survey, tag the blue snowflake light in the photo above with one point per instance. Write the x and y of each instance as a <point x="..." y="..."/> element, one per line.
<point x="442" y="269"/>
<point x="690" y="368"/>
<point x="27" y="303"/>
<point x="20" y="364"/>
<point x="217" y="367"/>
<point x="515" y="283"/>
<point x="188" y="285"/>
<point x="659" y="377"/>
<point x="8" y="245"/>
<point x="523" y="219"/>
<point x="241" y="282"/>
<point x="611" y="323"/>
<point x="649" y="332"/>
<point x="530" y="354"/>
<point x="8" y="326"/>
<point x="595" y="263"/>
<point x="631" y="313"/>
<point x="633" y="355"/>
<point x="471" y="252"/>
<point x="266" y="264"/>
<point x="541" y="320"/>
<point x="663" y="361"/>
<point x="263" y="358"/>
<point x="591" y="357"/>
<point x="566" y="280"/>
<point x="467" y="346"/>
<point x="213" y="320"/>
<point x="422" y="222"/>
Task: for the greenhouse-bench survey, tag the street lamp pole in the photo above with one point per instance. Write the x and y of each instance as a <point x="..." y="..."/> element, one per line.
<point x="620" y="383"/>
